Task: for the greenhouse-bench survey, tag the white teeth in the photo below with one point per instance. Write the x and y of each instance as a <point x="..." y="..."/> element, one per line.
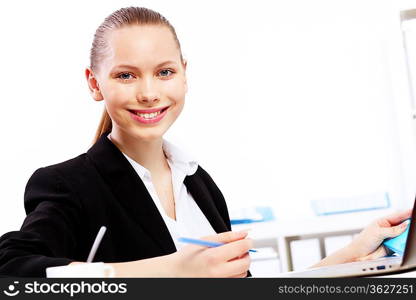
<point x="149" y="116"/>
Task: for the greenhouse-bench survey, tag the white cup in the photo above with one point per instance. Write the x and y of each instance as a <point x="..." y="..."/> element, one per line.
<point x="95" y="270"/>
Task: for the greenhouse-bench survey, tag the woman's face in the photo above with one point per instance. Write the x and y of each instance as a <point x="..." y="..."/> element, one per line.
<point x="142" y="81"/>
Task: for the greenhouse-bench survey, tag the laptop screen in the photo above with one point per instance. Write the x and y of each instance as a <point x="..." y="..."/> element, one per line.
<point x="409" y="257"/>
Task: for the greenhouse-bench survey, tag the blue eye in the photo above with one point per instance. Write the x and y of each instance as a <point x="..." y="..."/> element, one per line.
<point x="125" y="76"/>
<point x="165" y="73"/>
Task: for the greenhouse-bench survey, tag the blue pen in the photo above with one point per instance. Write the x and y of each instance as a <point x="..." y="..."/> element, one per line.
<point x="204" y="243"/>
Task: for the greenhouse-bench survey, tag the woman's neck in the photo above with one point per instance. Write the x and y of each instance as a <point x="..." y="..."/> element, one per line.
<point x="148" y="154"/>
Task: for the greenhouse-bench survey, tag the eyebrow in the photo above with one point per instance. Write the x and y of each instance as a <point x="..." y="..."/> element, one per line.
<point x="135" y="68"/>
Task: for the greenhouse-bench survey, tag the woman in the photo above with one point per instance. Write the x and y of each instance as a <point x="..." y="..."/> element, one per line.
<point x="144" y="190"/>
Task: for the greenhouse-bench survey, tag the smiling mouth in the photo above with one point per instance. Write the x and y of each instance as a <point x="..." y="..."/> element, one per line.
<point x="147" y="115"/>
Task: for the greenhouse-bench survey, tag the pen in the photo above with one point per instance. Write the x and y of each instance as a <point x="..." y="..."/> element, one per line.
<point x="204" y="243"/>
<point x="97" y="242"/>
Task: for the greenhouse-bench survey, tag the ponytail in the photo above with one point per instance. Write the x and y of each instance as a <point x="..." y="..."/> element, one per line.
<point x="105" y="126"/>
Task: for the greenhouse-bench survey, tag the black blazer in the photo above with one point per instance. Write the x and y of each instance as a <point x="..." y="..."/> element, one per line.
<point x="67" y="203"/>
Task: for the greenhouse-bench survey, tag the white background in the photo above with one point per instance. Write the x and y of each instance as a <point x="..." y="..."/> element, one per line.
<point x="288" y="101"/>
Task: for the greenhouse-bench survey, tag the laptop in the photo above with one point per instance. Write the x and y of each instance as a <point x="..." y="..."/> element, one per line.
<point x="381" y="266"/>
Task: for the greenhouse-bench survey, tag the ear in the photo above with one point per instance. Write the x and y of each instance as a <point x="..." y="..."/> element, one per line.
<point x="185" y="64"/>
<point x="93" y="85"/>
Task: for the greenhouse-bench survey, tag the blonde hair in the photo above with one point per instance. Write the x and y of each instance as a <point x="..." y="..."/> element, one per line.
<point x="118" y="19"/>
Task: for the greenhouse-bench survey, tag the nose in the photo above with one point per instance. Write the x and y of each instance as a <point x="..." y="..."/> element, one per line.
<point x="147" y="92"/>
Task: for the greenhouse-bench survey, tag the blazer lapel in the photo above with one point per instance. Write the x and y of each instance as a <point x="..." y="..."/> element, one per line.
<point x="203" y="199"/>
<point x="130" y="191"/>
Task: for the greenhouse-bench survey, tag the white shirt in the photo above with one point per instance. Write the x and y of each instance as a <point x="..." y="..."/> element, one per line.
<point x="190" y="221"/>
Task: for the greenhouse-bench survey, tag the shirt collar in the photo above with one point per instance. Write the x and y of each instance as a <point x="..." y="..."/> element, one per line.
<point x="179" y="158"/>
<point x="176" y="158"/>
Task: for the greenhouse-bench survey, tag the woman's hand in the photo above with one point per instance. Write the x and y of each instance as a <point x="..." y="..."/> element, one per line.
<point x="230" y="260"/>
<point x="367" y="245"/>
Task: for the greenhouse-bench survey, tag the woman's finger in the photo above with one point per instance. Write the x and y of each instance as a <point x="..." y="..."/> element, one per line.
<point x="226" y="237"/>
<point x="233" y="250"/>
<point x="398" y="217"/>
<point x="242" y="275"/>
<point x="393" y="231"/>
<point x="235" y="267"/>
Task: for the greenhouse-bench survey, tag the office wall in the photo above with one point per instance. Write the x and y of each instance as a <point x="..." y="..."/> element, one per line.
<point x="288" y="101"/>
